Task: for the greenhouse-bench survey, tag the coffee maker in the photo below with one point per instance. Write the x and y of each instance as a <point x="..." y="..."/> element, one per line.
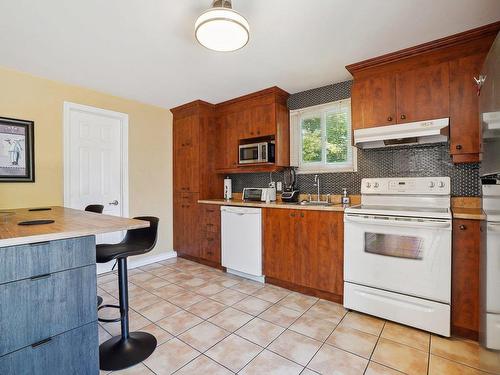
<point x="290" y="194"/>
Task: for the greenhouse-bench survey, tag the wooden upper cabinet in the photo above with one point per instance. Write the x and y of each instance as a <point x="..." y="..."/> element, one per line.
<point x="425" y="82"/>
<point x="374" y="101"/>
<point x="263" y="120"/>
<point x="186" y="154"/>
<point x="423" y="93"/>
<point x="465" y="132"/>
<point x="228" y="134"/>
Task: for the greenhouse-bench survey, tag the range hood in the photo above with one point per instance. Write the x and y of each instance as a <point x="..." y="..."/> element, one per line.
<point x="412" y="133"/>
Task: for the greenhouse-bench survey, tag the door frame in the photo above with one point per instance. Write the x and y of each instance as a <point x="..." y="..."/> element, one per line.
<point x="123" y="117"/>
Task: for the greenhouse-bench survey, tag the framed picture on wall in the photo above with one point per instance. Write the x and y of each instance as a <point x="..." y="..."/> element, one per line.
<point x="17" y="141"/>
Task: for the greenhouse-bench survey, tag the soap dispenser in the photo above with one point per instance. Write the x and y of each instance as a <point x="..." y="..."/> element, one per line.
<point x="345" y="198"/>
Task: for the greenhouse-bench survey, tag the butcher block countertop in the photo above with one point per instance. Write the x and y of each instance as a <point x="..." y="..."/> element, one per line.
<point x="68" y="223"/>
<point x="468" y="213"/>
<point x="277" y="204"/>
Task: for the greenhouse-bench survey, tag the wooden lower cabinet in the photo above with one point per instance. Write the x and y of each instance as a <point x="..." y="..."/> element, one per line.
<point x="465" y="290"/>
<point x="304" y="248"/>
<point x="186" y="225"/>
<point x="210" y="233"/>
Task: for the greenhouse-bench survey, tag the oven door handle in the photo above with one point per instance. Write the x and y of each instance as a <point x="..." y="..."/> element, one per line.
<point x="391" y="221"/>
<point x="494" y="227"/>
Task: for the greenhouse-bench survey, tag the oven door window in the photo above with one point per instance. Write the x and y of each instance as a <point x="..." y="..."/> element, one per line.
<point x="393" y="245"/>
<point x="249" y="154"/>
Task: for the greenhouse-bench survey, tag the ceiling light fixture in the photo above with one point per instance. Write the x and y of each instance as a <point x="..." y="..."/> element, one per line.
<point x="221" y="28"/>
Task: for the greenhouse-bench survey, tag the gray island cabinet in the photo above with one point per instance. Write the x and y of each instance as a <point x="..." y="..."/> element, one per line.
<point x="48" y="292"/>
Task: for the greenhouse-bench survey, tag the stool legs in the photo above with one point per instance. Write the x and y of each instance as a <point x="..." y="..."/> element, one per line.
<point x="130" y="348"/>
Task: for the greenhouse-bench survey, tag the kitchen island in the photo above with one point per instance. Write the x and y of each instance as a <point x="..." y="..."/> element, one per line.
<point x="48" y="312"/>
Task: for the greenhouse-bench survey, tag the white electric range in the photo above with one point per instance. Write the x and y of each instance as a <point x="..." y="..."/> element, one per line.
<point x="490" y="270"/>
<point x="397" y="252"/>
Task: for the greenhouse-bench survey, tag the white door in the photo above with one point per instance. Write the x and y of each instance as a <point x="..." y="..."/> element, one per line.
<point x="95" y="144"/>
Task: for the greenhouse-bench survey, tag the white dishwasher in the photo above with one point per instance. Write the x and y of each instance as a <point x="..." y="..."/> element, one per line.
<point x="242" y="241"/>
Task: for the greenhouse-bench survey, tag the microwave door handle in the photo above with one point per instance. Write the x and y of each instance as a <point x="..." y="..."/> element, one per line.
<point x="389" y="221"/>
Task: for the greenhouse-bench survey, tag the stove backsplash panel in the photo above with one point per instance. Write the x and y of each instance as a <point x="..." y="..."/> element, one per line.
<point x="405" y="161"/>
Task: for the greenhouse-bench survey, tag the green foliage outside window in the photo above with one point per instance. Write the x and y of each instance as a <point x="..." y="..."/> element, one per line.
<point x="336" y="138"/>
<point x="311" y="140"/>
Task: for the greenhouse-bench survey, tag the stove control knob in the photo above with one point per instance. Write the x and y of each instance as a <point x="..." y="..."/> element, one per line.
<point x="368" y="185"/>
<point x="431" y="184"/>
<point x="441" y="184"/>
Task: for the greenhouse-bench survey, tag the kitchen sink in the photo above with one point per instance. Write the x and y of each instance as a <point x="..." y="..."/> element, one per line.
<point x="315" y="203"/>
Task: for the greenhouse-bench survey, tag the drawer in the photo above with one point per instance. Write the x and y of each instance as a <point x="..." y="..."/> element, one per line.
<point x="34" y="309"/>
<point x="25" y="261"/>
<point x="74" y="352"/>
<point x="210" y="219"/>
<point x="210" y="247"/>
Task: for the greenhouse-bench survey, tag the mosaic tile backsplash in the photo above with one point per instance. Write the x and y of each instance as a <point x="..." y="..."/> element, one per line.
<point x="421" y="161"/>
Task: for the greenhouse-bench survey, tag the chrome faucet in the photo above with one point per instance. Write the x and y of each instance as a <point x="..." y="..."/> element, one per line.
<point x="316" y="183"/>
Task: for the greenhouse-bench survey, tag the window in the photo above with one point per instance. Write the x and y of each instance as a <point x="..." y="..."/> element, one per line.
<point x="321" y="138"/>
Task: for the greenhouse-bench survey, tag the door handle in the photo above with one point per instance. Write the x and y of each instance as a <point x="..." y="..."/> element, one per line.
<point x="114" y="203"/>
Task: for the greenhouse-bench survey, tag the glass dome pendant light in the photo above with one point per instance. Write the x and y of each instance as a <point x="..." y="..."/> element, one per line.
<point x="221" y="28"/>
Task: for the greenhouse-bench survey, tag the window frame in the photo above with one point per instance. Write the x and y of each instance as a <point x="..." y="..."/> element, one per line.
<point x="322" y="111"/>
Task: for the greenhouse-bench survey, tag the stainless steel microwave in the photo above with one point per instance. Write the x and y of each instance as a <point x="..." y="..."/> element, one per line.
<point x="262" y="152"/>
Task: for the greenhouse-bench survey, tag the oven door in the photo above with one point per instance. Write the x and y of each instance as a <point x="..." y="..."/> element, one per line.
<point x="250" y="153"/>
<point x="404" y="255"/>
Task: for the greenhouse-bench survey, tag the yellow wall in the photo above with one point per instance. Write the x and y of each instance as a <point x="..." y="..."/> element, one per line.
<point x="150" y="146"/>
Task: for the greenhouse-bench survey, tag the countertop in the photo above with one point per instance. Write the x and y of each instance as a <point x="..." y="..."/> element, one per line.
<point x="68" y="223"/>
<point x="468" y="213"/>
<point x="278" y="204"/>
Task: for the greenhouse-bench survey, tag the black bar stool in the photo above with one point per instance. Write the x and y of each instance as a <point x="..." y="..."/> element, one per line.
<point x="129" y="348"/>
<point x="97" y="208"/>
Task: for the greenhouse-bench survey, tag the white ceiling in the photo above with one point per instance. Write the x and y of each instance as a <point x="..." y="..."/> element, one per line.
<point x="145" y="49"/>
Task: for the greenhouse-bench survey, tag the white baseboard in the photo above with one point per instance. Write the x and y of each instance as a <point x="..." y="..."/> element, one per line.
<point x="134" y="263"/>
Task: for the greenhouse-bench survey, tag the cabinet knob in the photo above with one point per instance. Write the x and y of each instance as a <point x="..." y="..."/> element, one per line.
<point x="458" y="147"/>
<point x="403" y="117"/>
<point x="462" y="227"/>
<point x="389" y="118"/>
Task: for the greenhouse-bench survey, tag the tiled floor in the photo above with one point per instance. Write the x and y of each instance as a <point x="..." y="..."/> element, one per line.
<point x="208" y="322"/>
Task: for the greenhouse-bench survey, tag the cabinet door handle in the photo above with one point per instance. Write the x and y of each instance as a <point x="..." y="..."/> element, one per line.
<point x="458" y="147"/>
<point x="41" y="342"/>
<point x="403" y="117"/>
<point x="40" y="277"/>
<point x="301" y="214"/>
<point x="292" y="214"/>
<point x="210" y="239"/>
<point x="389" y="118"/>
<point x="462" y="227"/>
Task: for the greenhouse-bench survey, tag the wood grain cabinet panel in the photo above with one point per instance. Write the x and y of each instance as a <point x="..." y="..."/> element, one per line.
<point x="374" y="101"/>
<point x="467" y="238"/>
<point x="210" y="249"/>
<point x="186" y="224"/>
<point x="21" y="262"/>
<point x="304" y="248"/>
<point x="322" y="254"/>
<point x="35" y="309"/>
<point x="186" y="155"/>
<point x="465" y="130"/>
<point x="72" y="352"/>
<point x="263" y="120"/>
<point x="423" y="93"/>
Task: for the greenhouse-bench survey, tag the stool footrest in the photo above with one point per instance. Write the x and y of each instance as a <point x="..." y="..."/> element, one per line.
<point x="108" y="320"/>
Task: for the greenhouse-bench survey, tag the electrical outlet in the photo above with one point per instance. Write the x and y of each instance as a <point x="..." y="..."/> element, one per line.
<point x="279" y="186"/>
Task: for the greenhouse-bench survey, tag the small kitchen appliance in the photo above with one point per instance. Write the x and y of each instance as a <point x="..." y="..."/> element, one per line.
<point x="397" y="252"/>
<point x="259" y="194"/>
<point x="289" y="194"/>
<point x="262" y="152"/>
